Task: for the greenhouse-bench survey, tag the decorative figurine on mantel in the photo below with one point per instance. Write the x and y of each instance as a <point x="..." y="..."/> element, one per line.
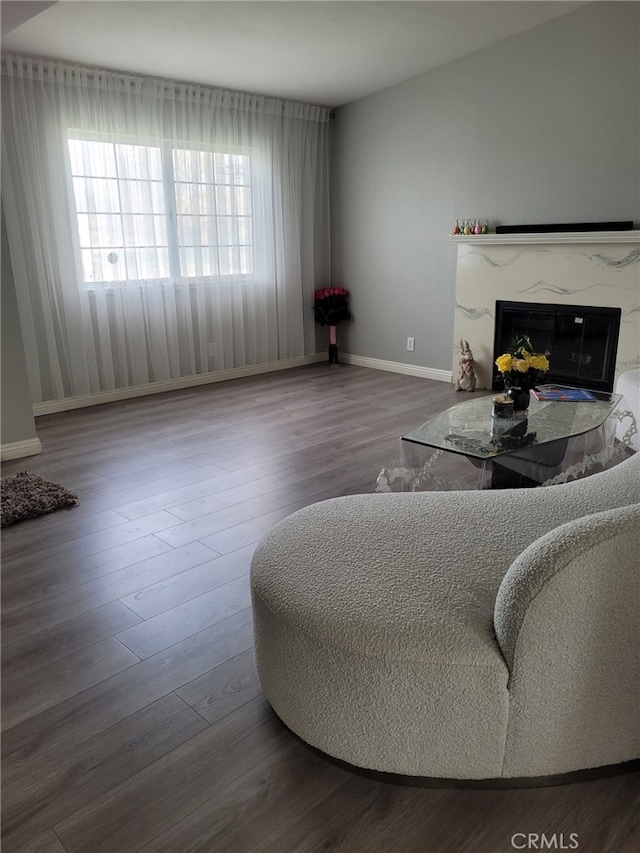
<point x="469" y="226"/>
<point x="466" y="380"/>
<point x="330" y="307"/>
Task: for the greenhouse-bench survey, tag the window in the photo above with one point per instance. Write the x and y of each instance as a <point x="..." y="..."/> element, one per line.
<point x="213" y="205"/>
<point x="159" y="212"/>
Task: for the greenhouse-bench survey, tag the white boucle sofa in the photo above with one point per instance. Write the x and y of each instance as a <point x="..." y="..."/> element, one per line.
<point x="458" y="635"/>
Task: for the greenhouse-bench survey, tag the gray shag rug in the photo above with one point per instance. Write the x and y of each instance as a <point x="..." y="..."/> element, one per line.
<point x="27" y="495"/>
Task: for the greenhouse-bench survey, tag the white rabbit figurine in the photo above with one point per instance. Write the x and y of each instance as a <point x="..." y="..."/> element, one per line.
<point x="466" y="380"/>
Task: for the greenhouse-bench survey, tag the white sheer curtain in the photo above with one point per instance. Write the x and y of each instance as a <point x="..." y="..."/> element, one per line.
<point x="158" y="230"/>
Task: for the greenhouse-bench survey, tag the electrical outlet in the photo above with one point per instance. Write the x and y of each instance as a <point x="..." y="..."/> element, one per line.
<point x="212" y="350"/>
<point x="411" y="344"/>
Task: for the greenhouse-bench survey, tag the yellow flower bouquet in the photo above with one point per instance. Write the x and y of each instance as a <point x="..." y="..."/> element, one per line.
<point x="520" y="366"/>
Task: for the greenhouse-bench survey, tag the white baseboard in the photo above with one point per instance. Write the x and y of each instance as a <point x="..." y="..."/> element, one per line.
<point x="18" y="449"/>
<point x="50" y="406"/>
<point x="397" y="367"/>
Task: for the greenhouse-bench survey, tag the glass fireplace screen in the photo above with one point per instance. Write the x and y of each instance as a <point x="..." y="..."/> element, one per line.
<point x="581" y="341"/>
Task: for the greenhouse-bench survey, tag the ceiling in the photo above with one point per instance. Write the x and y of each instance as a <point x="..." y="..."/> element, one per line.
<point x="327" y="53"/>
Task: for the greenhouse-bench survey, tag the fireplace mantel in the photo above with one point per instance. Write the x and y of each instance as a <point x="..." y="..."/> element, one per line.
<point x="549" y="237"/>
<point x="584" y="268"/>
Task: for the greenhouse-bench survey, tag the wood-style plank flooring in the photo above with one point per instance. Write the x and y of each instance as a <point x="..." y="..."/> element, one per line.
<point x="132" y="716"/>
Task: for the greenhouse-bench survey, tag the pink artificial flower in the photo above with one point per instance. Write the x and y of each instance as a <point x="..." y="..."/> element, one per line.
<point x="326" y="292"/>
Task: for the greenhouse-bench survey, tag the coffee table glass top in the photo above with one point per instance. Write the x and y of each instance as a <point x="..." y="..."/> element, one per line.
<point x="467" y="427"/>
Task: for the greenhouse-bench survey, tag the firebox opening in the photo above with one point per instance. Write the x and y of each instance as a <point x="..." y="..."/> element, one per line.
<point x="581" y="341"/>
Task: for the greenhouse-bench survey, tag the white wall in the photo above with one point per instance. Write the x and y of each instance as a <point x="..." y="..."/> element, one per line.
<point x="543" y="127"/>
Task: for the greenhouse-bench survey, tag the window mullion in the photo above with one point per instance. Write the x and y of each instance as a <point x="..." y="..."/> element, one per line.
<point x="168" y="185"/>
<point x="216" y="218"/>
<point x="120" y="214"/>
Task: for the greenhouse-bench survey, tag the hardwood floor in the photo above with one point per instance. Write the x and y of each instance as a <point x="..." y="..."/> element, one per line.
<point x="133" y="719"/>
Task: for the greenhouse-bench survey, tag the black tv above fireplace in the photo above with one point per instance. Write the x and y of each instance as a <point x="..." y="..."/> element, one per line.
<point x="581" y="341"/>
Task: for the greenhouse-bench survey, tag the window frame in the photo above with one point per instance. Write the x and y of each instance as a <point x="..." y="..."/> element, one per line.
<point x="166" y="148"/>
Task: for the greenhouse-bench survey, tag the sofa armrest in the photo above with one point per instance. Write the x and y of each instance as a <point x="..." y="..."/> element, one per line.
<point x="546" y="559"/>
<point x="566" y="620"/>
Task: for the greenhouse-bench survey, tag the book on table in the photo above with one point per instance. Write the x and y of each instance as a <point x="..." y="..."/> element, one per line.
<point x="561" y="393"/>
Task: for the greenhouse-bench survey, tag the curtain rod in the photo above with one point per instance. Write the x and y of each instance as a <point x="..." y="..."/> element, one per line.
<point x="57" y="71"/>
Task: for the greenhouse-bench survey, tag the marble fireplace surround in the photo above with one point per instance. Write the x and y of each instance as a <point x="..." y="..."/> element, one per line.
<point x="600" y="269"/>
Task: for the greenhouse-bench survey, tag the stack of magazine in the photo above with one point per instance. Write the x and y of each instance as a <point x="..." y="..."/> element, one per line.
<point x="563" y="394"/>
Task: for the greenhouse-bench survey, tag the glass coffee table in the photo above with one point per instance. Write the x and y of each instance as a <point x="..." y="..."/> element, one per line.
<point x="534" y="451"/>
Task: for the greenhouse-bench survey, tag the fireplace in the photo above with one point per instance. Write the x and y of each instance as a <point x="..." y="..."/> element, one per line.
<point x="581" y="341"/>
<point x="574" y="273"/>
